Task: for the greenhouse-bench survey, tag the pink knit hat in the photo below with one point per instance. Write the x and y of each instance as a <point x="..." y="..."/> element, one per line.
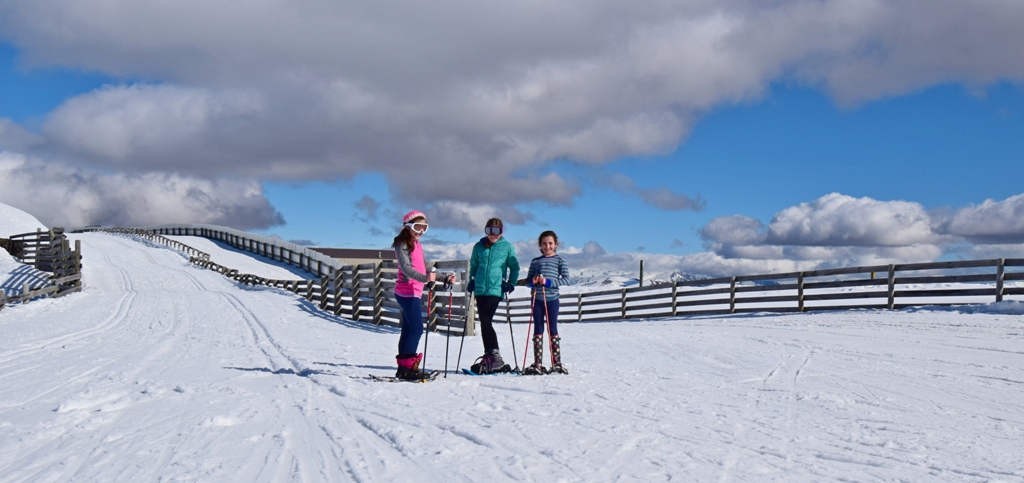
<point x="412" y="215"/>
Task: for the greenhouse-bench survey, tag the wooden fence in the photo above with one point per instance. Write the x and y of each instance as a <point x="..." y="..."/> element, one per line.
<point x="48" y="251"/>
<point x="891" y="287"/>
<point x="364" y="292"/>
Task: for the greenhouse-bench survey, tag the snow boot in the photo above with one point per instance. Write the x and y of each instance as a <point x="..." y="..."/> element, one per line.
<point x="409" y="367"/>
<point x="490" y="363"/>
<point x="537" y="368"/>
<point x="556" y="356"/>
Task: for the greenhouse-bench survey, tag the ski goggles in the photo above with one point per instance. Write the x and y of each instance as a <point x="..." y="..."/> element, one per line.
<point x="492" y="230"/>
<point x="418" y="227"/>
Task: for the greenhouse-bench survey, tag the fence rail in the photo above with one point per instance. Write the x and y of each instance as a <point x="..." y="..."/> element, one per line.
<point x="364" y="292"/>
<point x="891" y="287"/>
<point x="49" y="251"/>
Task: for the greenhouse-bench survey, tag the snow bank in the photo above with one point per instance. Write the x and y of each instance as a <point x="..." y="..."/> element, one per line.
<point x="14" y="274"/>
<point x="14" y="221"/>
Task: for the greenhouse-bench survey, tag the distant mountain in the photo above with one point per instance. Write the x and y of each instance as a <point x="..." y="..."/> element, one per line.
<point x="589" y="277"/>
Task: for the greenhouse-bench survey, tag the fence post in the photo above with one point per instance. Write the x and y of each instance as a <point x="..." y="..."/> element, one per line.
<point x="579" y="307"/>
<point x="623" y="303"/>
<point x="339" y="289"/>
<point x="732" y="295"/>
<point x="892" y="287"/>
<point x="355" y="292"/>
<point x="800" y="291"/>
<point x="324" y="290"/>
<point x="378" y="294"/>
<point x="78" y="263"/>
<point x="1000" y="274"/>
<point x="675" y="299"/>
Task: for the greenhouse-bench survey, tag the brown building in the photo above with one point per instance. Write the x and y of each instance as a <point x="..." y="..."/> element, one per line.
<point x="356" y="256"/>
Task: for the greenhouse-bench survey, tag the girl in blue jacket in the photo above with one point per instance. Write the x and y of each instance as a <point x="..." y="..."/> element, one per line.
<point x="493" y="272"/>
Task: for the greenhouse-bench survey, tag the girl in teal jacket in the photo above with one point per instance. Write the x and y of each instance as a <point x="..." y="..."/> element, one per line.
<point x="493" y="272"/>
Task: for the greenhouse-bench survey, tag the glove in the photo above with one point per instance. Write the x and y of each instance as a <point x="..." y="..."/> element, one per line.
<point x="471" y="287"/>
<point x="507" y="287"/>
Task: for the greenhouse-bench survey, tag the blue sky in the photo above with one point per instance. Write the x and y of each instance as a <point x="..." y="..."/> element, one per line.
<point x="702" y="138"/>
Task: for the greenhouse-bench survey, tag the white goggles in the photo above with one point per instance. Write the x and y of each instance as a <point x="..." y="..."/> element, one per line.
<point x="418" y="227"/>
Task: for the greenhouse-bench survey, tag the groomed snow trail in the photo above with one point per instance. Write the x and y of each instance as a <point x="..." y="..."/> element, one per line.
<point x="163" y="371"/>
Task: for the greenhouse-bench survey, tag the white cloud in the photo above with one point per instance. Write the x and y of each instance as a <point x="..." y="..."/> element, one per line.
<point x="15" y="138"/>
<point x="734" y="230"/>
<point x="486" y="93"/>
<point x="992" y="222"/>
<point x="840" y="220"/>
<point x="835" y="230"/>
<point x="64" y="196"/>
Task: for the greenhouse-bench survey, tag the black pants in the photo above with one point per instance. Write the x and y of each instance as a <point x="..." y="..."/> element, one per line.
<point x="486" y="306"/>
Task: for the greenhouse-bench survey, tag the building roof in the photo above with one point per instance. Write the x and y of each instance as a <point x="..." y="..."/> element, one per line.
<point x="369" y="254"/>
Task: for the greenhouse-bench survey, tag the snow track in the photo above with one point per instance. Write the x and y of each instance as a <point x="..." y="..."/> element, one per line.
<point x="160" y="370"/>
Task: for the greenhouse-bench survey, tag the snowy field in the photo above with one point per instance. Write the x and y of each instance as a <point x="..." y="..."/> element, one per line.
<point x="160" y="370"/>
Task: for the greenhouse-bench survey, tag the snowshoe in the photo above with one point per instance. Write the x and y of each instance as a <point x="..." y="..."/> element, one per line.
<point x="535" y="369"/>
<point x="489" y="364"/>
<point x="409" y="368"/>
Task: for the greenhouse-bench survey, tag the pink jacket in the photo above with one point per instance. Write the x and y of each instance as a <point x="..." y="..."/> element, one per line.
<point x="412" y="271"/>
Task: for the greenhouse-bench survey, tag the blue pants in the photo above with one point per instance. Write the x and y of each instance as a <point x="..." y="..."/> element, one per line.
<point x="538" y="316"/>
<point x="412" y="325"/>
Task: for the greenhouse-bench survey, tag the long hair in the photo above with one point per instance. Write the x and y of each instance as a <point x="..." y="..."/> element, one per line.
<point x="405" y="236"/>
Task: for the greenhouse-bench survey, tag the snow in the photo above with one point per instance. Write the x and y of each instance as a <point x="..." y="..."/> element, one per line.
<point x="244" y="262"/>
<point x="161" y="370"/>
<point x="14" y="274"/>
<point x="15" y="222"/>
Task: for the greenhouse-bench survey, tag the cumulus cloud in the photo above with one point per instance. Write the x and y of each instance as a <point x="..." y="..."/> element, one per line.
<point x="734" y="230"/>
<point x="832" y="231"/>
<point x="478" y="95"/>
<point x="15" y="138"/>
<point x="837" y="230"/>
<point x="71" y="197"/>
<point x="840" y="220"/>
<point x="992" y="222"/>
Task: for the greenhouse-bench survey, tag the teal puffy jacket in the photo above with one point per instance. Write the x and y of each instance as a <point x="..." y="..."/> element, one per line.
<point x="489" y="266"/>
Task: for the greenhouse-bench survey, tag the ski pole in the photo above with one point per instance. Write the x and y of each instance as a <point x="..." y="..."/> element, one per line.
<point x="465" y="325"/>
<point x="526" y="348"/>
<point x="508" y="316"/>
<point x="448" y="336"/>
<point x="430" y="301"/>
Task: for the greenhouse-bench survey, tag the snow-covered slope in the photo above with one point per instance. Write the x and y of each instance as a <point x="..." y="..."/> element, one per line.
<point x="14" y="221"/>
<point x="163" y="371"/>
<point x="244" y="262"/>
<point x="14" y="274"/>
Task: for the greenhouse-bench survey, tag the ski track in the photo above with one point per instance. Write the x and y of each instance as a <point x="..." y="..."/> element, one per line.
<point x="149" y="385"/>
